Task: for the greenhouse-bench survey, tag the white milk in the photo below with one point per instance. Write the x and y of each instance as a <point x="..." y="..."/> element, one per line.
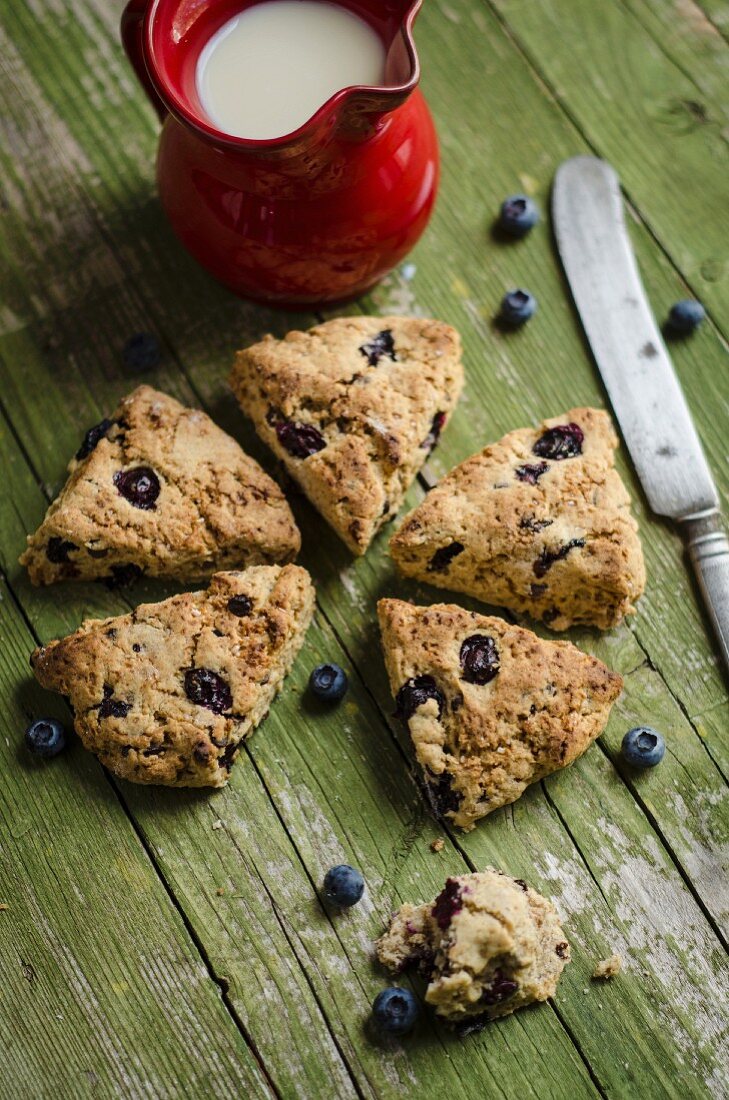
<point x="270" y="68"/>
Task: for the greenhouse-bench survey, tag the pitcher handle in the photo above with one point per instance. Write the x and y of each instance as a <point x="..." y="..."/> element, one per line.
<point x="132" y="27"/>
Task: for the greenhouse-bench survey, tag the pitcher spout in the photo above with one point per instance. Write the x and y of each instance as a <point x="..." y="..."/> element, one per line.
<point x="165" y="39"/>
<point x="321" y="213"/>
<point x="360" y="110"/>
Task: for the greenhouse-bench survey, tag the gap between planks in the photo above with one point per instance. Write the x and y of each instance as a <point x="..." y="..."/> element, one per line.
<point x="185" y="374"/>
<point x="560" y="103"/>
<point x="149" y="852"/>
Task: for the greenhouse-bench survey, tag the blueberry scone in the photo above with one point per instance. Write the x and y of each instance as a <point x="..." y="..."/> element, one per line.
<point x="539" y="522"/>
<point x="490" y="707"/>
<point x="168" y="693"/>
<point x="488" y="945"/>
<point x="158" y="488"/>
<point x="353" y="408"/>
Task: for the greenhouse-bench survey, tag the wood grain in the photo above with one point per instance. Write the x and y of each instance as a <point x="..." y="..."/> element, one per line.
<point x="102" y="991"/>
<point x="637" y="862"/>
<point x="641" y="110"/>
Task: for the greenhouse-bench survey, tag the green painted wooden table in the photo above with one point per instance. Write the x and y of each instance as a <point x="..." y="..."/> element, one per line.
<point x="145" y="949"/>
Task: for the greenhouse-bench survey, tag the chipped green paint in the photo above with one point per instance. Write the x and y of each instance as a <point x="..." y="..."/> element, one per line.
<point x="634" y="862"/>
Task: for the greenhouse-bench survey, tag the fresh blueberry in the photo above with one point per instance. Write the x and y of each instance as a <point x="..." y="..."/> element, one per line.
<point x="141" y="352"/>
<point x="328" y="682"/>
<point x="517" y="307"/>
<point x="518" y="215"/>
<point x="395" y="1010"/>
<point x="45" y="737"/>
<point x="643" y="747"/>
<point x="343" y="886"/>
<point x="685" y="316"/>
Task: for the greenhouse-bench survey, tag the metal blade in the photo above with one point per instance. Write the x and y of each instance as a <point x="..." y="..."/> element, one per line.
<point x="598" y="259"/>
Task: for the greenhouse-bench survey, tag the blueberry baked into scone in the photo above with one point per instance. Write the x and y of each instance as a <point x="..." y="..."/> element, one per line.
<point x="168" y="693"/>
<point x="490" y="707"/>
<point x="487" y="945"/>
<point x="353" y="408"/>
<point x="159" y="489"/>
<point x="539" y="522"/>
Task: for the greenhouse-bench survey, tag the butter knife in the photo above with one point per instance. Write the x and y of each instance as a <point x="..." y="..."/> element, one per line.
<point x="598" y="259"/>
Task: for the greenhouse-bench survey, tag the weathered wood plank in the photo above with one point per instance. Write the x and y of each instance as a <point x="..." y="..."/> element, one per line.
<point x="642" y="111"/>
<point x="514" y="379"/>
<point x="109" y="185"/>
<point x="718" y="13"/>
<point x="178" y="828"/>
<point x="102" y="992"/>
<point x="270" y="945"/>
<point x="687" y="35"/>
<point x="614" y="851"/>
<point x="623" y="895"/>
<point x="90" y="377"/>
<point x="324" y="775"/>
<point x="268" y="980"/>
<point x="207" y="323"/>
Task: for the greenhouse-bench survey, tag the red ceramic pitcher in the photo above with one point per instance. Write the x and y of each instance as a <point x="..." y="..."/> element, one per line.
<point x="312" y="218"/>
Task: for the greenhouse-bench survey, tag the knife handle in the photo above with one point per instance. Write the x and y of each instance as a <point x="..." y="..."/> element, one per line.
<point x="708" y="548"/>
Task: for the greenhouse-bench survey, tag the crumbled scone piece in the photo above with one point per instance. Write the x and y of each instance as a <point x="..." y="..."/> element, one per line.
<point x="159" y="489"/>
<point x="488" y="945"/>
<point x="168" y="693"/>
<point x="539" y="522"/>
<point x="490" y="707"/>
<point x="608" y="968"/>
<point x="353" y="408"/>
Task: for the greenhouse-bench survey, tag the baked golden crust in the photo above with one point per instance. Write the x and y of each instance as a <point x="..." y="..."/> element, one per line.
<point x="368" y="396"/>
<point x="168" y="693"/>
<point x="214" y="506"/>
<point x="552" y="538"/>
<point x="490" y="707"/>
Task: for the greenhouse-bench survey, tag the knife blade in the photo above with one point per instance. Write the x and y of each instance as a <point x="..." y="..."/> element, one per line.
<point x="598" y="259"/>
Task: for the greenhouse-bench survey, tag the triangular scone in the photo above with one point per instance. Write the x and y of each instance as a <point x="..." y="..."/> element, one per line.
<point x="490" y="707"/>
<point x="353" y="408"/>
<point x="158" y="488"/>
<point x="539" y="522"/>
<point x="168" y="693"/>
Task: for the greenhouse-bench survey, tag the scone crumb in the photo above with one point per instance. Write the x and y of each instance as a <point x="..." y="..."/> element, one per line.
<point x="218" y="824"/>
<point x="608" y="968"/>
<point x="3" y="907"/>
<point x="220" y="891"/>
<point x="485" y="946"/>
<point x="437" y="845"/>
